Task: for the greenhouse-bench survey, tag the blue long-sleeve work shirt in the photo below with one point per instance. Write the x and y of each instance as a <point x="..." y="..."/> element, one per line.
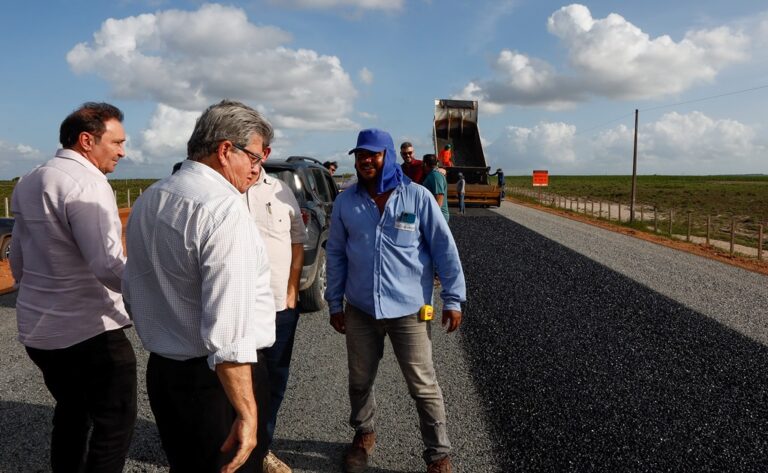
<point x="385" y="264"/>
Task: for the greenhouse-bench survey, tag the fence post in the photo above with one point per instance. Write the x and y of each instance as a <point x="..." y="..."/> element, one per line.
<point x="593" y="208"/>
<point x="642" y="215"/>
<point x="609" y="210"/>
<point x="733" y="233"/>
<point x="655" y="220"/>
<point x="115" y="195"/>
<point x="619" y="210"/>
<point x="760" y="242"/>
<point x="671" y="216"/>
<point x="688" y="235"/>
<point x="709" y="225"/>
<point x="139" y="190"/>
<point x="129" y="198"/>
<point x="7" y="211"/>
<point x="601" y="209"/>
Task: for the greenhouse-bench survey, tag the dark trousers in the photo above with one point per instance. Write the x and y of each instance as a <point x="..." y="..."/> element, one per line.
<point x="279" y="364"/>
<point x="194" y="415"/>
<point x="94" y="384"/>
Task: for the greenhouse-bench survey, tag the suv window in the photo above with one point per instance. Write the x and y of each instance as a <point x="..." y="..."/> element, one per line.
<point x="311" y="182"/>
<point x="315" y="192"/>
<point x="322" y="186"/>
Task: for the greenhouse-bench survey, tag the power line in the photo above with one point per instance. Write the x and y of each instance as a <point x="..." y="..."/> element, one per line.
<point x="604" y="124"/>
<point x="702" y="99"/>
<point x="705" y="98"/>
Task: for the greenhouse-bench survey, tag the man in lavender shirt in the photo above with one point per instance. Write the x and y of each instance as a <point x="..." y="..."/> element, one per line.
<point x="67" y="258"/>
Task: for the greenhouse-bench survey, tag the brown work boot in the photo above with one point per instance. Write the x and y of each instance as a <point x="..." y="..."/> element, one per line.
<point x="272" y="464"/>
<point x="442" y="465"/>
<point x="356" y="457"/>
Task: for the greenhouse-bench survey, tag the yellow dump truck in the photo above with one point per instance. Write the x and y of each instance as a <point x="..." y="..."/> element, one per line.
<point x="455" y="123"/>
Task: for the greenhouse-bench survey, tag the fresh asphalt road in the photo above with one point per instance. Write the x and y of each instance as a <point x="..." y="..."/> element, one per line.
<point x="581" y="350"/>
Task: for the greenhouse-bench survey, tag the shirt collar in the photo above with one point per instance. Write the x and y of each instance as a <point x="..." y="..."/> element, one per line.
<point x="264" y="179"/>
<point x="207" y="172"/>
<point x="73" y="155"/>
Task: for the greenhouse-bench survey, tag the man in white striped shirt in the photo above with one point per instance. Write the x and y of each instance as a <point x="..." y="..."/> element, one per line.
<point x="197" y="284"/>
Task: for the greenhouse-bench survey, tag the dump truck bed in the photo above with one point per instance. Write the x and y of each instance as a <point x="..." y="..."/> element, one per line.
<point x="455" y="123"/>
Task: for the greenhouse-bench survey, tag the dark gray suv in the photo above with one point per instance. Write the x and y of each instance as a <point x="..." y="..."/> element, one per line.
<point x="315" y="190"/>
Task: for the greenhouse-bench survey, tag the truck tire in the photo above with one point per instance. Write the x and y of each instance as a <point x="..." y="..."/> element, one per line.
<point x="311" y="298"/>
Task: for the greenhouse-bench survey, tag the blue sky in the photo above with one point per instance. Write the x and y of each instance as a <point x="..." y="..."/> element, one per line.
<point x="557" y="82"/>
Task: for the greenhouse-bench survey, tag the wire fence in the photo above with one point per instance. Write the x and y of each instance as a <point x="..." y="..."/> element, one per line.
<point x="124" y="199"/>
<point x="740" y="234"/>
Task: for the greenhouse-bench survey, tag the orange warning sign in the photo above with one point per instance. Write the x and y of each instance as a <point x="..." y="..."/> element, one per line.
<point x="540" y="178"/>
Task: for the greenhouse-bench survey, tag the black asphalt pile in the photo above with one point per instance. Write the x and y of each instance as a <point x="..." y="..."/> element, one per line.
<point x="582" y="369"/>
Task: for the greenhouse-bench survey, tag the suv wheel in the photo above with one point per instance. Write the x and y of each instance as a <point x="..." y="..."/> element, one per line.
<point x="5" y="249"/>
<point x="311" y="298"/>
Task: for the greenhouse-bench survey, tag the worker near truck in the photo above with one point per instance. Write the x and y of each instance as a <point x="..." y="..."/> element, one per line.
<point x="387" y="238"/>
<point x="412" y="167"/>
<point x="446" y="156"/>
<point x="461" y="187"/>
<point x="500" y="175"/>
<point x="436" y="183"/>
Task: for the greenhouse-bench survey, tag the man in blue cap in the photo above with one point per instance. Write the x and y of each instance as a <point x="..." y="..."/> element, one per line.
<point x="387" y="239"/>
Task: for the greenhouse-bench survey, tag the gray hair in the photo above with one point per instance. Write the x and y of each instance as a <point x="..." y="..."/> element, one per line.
<point x="227" y="120"/>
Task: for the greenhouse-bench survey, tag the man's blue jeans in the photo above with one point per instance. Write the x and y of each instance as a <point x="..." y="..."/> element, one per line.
<point x="279" y="363"/>
<point x="412" y="344"/>
<point x="461" y="204"/>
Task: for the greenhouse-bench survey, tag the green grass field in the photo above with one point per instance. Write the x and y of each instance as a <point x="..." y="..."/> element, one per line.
<point x="120" y="185"/>
<point x="742" y="196"/>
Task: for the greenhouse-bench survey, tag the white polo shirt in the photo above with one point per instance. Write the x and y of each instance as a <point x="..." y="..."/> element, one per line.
<point x="276" y="212"/>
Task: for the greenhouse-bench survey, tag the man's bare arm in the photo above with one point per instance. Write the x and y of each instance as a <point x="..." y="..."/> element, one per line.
<point x="237" y="382"/>
<point x="297" y="262"/>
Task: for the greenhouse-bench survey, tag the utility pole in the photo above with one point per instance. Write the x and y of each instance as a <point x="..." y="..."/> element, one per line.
<point x="634" y="176"/>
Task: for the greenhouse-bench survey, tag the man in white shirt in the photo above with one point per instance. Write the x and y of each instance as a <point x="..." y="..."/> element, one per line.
<point x="197" y="286"/>
<point x="276" y="212"/>
<point x="67" y="257"/>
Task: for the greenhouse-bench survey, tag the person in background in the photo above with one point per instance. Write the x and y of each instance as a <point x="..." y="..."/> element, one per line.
<point x="412" y="167"/>
<point x="198" y="286"/>
<point x="387" y="238"/>
<point x="67" y="258"/>
<point x="461" y="187"/>
<point x="331" y="166"/>
<point x="446" y="156"/>
<point x="277" y="215"/>
<point x="500" y="175"/>
<point x="436" y="184"/>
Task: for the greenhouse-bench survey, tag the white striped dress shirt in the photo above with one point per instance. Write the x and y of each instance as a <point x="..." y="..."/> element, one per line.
<point x="197" y="281"/>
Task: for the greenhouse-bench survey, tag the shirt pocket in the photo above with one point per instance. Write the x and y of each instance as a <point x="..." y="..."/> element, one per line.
<point x="278" y="220"/>
<point x="402" y="235"/>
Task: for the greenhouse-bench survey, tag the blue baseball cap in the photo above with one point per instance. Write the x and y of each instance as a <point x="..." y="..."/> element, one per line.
<point x="374" y="140"/>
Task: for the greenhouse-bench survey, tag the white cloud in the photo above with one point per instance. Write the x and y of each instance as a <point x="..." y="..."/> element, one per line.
<point x="366" y="76"/>
<point x="188" y="60"/>
<point x="676" y="143"/>
<point x="325" y="4"/>
<point x="522" y="149"/>
<point x="694" y="143"/>
<point x="18" y="159"/>
<point x="611" y="57"/>
<point x="168" y="132"/>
